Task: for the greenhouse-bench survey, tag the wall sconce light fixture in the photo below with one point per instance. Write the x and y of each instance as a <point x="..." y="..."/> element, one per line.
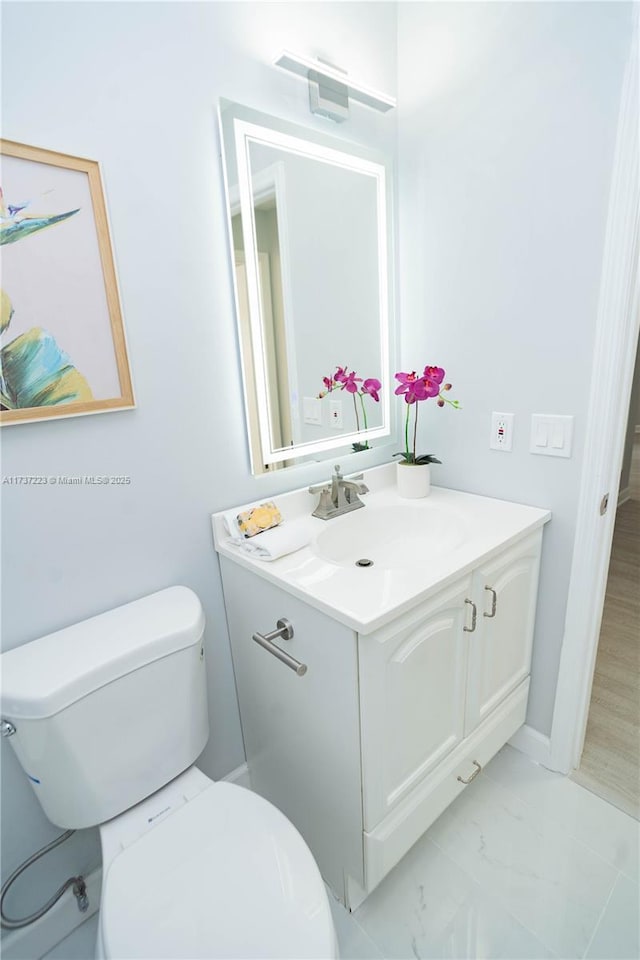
<point x="330" y="88"/>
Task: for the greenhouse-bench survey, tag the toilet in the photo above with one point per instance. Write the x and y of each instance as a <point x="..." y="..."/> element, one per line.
<point x="110" y="715"/>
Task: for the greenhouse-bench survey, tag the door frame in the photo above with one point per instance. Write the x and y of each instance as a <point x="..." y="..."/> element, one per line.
<point x="616" y="337"/>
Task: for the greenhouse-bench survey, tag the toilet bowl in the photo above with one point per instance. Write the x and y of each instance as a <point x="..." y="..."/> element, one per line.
<point x="191" y="867"/>
<point x="207" y="869"/>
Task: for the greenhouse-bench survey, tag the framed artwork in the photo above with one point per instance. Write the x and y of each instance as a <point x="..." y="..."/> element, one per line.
<point x="62" y="345"/>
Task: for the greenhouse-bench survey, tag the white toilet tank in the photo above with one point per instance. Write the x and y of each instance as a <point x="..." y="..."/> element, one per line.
<point x="109" y="710"/>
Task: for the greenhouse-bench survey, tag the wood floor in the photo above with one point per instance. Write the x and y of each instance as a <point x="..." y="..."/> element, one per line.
<point x="610" y="765"/>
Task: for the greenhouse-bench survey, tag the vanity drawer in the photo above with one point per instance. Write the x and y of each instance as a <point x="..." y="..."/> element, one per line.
<point x="395" y="835"/>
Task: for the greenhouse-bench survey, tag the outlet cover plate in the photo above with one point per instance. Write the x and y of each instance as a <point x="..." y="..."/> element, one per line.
<point x="335" y="413"/>
<point x="501" y="432"/>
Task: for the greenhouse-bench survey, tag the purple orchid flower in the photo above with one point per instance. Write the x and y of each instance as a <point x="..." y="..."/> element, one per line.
<point x="434" y="373"/>
<point x="372" y="387"/>
<point x="350" y="382"/>
<point x="411" y="386"/>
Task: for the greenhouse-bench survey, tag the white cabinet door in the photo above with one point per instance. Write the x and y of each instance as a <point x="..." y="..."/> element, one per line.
<point x="301" y="733"/>
<point x="504" y="590"/>
<point x="412" y="692"/>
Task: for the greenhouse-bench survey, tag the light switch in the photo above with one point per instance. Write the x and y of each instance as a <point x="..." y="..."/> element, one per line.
<point x="312" y="411"/>
<point x="542" y="434"/>
<point x="557" y="437"/>
<point x="551" y="435"/>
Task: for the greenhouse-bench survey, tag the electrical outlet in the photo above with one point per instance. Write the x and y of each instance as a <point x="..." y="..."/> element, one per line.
<point x="501" y="432"/>
<point x="335" y="413"/>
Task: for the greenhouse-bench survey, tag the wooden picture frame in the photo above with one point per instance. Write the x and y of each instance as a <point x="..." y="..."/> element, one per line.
<point x="63" y="351"/>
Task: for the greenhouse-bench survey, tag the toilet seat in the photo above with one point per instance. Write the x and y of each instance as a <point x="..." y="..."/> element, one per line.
<point x="225" y="875"/>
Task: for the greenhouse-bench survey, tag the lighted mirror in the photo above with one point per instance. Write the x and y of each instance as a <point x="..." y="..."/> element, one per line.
<point x="309" y="228"/>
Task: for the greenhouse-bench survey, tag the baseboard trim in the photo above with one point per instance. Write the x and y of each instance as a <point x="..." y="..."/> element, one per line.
<point x="240" y="776"/>
<point x="624" y="495"/>
<point x="534" y="744"/>
<point x="62" y="919"/>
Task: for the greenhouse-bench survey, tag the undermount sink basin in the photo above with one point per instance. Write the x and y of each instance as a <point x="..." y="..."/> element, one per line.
<point x="390" y="537"/>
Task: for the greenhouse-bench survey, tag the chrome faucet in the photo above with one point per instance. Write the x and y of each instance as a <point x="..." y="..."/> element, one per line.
<point x="339" y="496"/>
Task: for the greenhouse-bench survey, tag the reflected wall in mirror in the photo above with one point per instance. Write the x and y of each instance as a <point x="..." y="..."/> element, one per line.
<point x="309" y="219"/>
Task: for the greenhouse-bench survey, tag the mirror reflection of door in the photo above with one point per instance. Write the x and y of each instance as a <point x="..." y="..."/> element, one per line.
<point x="273" y="331"/>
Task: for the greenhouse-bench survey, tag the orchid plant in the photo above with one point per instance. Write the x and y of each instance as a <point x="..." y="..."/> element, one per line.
<point x="415" y="389"/>
<point x="342" y="380"/>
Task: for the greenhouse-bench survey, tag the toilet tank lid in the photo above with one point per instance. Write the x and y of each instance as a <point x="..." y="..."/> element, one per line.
<point x="40" y="678"/>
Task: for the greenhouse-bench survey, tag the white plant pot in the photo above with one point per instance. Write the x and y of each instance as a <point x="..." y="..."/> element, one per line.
<point x="413" y="480"/>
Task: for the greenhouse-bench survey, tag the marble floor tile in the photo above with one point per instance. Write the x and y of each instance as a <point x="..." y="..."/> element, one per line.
<point x="353" y="942"/>
<point x="555" y="885"/>
<point x="524" y="864"/>
<point x="614" y="835"/>
<point x="618" y="934"/>
<point x="428" y="907"/>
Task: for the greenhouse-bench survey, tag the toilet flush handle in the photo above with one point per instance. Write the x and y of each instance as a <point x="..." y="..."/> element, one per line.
<point x="7" y="729"/>
<point x="285" y="630"/>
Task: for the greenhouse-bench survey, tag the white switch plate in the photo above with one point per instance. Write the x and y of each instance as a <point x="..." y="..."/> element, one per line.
<point x="501" y="432"/>
<point x="551" y="435"/>
<point x="312" y="411"/>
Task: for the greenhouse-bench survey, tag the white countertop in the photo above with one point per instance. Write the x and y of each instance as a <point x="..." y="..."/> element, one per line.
<point x="367" y="598"/>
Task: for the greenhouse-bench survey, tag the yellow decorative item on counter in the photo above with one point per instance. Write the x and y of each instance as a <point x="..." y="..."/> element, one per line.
<point x="260" y="518"/>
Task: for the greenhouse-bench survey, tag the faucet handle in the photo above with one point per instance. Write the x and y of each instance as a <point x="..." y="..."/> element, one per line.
<point x="319" y="488"/>
<point x="325" y="507"/>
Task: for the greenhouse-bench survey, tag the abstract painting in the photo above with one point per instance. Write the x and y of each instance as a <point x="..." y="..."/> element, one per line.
<point x="62" y="345"/>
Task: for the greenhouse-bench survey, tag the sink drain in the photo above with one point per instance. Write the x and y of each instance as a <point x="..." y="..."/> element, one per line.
<point x="364" y="562"/>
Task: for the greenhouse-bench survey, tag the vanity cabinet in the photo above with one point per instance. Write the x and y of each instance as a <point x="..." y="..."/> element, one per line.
<point x="367" y="748"/>
<point x="440" y="696"/>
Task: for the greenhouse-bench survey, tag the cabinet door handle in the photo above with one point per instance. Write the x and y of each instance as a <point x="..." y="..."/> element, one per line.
<point x="494" y="602"/>
<point x="473" y="775"/>
<point x="474" y="615"/>
<point x="285" y="630"/>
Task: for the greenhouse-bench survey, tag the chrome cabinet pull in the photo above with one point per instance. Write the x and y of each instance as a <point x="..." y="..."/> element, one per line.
<point x="494" y="602"/>
<point x="473" y="775"/>
<point x="285" y="630"/>
<point x="474" y="615"/>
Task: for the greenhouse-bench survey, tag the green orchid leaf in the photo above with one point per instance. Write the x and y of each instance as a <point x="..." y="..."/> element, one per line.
<point x="411" y="459"/>
<point x="13" y="229"/>
<point x="35" y="372"/>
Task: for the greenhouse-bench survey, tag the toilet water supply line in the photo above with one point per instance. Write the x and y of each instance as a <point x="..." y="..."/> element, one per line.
<point x="78" y="884"/>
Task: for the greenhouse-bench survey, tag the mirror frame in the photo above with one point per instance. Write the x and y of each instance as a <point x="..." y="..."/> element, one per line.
<point x="251" y="127"/>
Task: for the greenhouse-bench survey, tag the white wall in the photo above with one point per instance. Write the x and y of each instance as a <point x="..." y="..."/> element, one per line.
<point x="507" y="118"/>
<point x="136" y="87"/>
